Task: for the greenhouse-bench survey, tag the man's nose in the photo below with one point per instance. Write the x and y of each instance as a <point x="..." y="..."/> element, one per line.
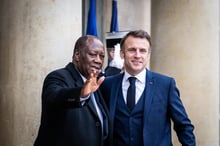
<point x="137" y="53"/>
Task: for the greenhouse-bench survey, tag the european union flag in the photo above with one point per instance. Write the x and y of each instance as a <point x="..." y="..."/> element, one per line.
<point x="91" y="23"/>
<point x="114" y="21"/>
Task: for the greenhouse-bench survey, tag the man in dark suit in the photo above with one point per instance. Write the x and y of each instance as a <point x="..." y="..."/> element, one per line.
<point x="73" y="110"/>
<point x="142" y="103"/>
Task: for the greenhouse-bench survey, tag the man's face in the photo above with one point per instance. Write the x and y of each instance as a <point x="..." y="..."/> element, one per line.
<point x="111" y="54"/>
<point x="91" y="58"/>
<point x="136" y="54"/>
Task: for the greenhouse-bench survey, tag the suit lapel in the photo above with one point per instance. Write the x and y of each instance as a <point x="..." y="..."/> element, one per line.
<point x="91" y="104"/>
<point x="114" y="94"/>
<point x="149" y="90"/>
<point x="75" y="74"/>
<point x="103" y="108"/>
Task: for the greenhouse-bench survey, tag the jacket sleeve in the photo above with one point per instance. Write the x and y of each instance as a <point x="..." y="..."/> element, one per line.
<point x="182" y="124"/>
<point x="59" y="89"/>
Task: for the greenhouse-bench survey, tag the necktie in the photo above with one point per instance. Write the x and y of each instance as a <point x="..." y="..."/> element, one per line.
<point x="131" y="93"/>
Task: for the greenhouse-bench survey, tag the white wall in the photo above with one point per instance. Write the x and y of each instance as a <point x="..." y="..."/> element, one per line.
<point x="35" y="38"/>
<point x="186" y="46"/>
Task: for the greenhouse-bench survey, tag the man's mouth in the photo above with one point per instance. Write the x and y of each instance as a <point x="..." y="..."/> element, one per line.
<point x="136" y="62"/>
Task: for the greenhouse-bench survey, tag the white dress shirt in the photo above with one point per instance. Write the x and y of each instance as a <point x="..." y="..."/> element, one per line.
<point x="140" y="85"/>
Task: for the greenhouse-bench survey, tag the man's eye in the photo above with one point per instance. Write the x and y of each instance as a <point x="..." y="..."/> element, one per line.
<point x="131" y="50"/>
<point x="92" y="55"/>
<point x="102" y="57"/>
<point x="143" y="51"/>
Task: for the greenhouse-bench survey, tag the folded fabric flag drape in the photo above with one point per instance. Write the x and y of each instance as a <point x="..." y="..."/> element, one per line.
<point x="114" y="20"/>
<point x="91" y="22"/>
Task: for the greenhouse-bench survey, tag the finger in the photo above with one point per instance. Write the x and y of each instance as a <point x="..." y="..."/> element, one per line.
<point x="96" y="73"/>
<point x="90" y="76"/>
<point x="100" y="80"/>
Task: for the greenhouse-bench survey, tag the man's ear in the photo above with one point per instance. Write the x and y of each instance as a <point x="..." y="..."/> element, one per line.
<point x="122" y="54"/>
<point x="76" y="56"/>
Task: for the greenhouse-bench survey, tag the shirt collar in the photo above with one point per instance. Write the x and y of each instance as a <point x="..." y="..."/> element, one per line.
<point x="141" y="76"/>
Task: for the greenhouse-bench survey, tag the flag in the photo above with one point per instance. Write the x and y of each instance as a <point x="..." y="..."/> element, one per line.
<point x="114" y="20"/>
<point x="91" y="22"/>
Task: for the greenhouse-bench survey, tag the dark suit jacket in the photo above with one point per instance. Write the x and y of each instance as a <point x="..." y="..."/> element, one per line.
<point x="65" y="121"/>
<point x="161" y="105"/>
<point x="109" y="71"/>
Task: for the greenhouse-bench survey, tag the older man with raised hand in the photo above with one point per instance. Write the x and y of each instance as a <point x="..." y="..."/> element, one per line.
<point x="73" y="110"/>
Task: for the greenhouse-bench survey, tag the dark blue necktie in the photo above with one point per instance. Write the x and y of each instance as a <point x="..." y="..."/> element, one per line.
<point x="131" y="93"/>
